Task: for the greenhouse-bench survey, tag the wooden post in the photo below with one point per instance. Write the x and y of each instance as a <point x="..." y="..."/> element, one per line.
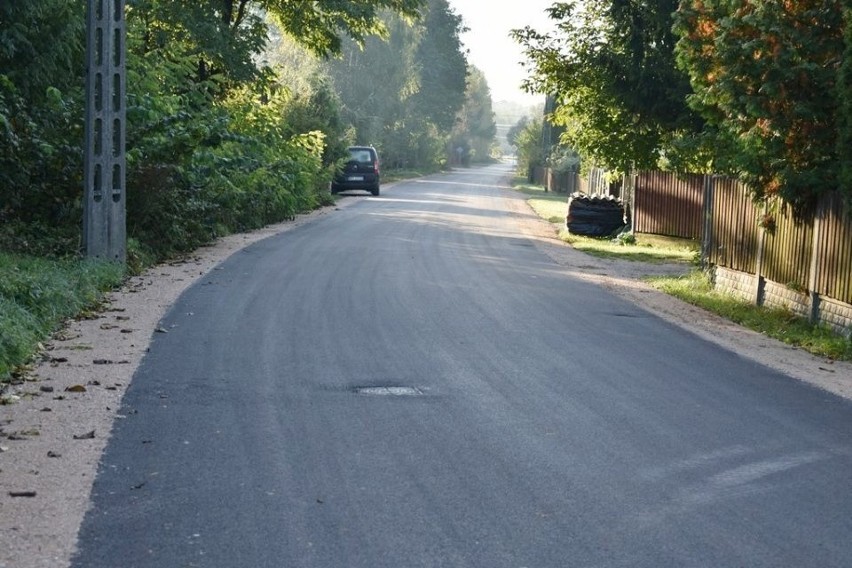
<point x="629" y="196"/>
<point x="759" y="280"/>
<point x="707" y="211"/>
<point x="813" y="278"/>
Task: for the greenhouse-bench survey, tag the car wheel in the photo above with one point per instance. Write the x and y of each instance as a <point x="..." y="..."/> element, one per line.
<point x="334" y="189"/>
<point x="375" y="191"/>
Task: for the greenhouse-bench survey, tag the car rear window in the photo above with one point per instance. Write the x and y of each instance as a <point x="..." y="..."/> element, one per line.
<point x="361" y="156"/>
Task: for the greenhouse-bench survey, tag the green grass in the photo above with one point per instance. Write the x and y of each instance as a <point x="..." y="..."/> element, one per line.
<point x="644" y="249"/>
<point x="780" y="324"/>
<point x="548" y="205"/>
<point x="37" y="295"/>
<point x="391" y="175"/>
<point x="553" y="207"/>
<point x="696" y="287"/>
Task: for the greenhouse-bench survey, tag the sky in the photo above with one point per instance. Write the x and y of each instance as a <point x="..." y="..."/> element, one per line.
<point x="490" y="47"/>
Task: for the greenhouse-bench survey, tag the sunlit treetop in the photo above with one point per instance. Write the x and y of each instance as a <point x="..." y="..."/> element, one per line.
<point x="319" y="24"/>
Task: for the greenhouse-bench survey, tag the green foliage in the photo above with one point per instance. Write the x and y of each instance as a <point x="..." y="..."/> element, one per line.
<point x="319" y="110"/>
<point x="220" y="39"/>
<point x="36" y="295"/>
<point x="442" y="66"/>
<point x="319" y="25"/>
<point x="214" y="144"/>
<point x="610" y="65"/>
<point x="563" y="159"/>
<point x="516" y="129"/>
<point x="402" y="95"/>
<point x="227" y="167"/>
<point x="764" y="76"/>
<point x="40" y="157"/>
<point x="475" y="128"/>
<point x="844" y="114"/>
<point x="376" y="83"/>
<point x="41" y="45"/>
<point x="530" y="152"/>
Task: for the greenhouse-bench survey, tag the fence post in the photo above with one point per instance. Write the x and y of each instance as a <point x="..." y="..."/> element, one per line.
<point x="813" y="278"/>
<point x="628" y="190"/>
<point x="707" y="206"/>
<point x="759" y="280"/>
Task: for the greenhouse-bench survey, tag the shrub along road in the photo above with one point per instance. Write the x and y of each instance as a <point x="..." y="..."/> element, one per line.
<point x="412" y="381"/>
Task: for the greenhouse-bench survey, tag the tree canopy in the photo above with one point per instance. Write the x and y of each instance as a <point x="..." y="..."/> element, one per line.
<point x="215" y="142"/>
<point x="765" y="75"/>
<point x="610" y="64"/>
<point x="404" y="94"/>
<point x="475" y="129"/>
<point x="758" y="90"/>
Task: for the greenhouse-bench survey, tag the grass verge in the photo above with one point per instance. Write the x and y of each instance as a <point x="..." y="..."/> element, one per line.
<point x="696" y="287"/>
<point x="37" y="295"/>
<point x="639" y="248"/>
<point x="780" y="324"/>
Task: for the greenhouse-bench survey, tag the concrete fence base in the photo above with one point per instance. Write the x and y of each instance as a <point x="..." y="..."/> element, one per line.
<point x="837" y="315"/>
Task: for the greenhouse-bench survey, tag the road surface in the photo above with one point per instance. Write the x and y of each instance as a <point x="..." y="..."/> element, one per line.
<point x="411" y="383"/>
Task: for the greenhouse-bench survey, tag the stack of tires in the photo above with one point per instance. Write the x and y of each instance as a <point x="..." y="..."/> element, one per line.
<point x="594" y="215"/>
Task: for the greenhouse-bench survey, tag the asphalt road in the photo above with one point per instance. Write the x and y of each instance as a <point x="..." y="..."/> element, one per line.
<point x="410" y="383"/>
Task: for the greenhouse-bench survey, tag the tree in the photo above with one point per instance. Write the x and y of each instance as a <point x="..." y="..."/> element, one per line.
<point x="212" y="142"/>
<point x="403" y="94"/>
<point x="41" y="109"/>
<point x="844" y="119"/>
<point x="227" y="35"/>
<point x="41" y="45"/>
<point x="764" y="75"/>
<point x="442" y="66"/>
<point x="530" y="153"/>
<point x="516" y="129"/>
<point x="320" y="25"/>
<point x="376" y="83"/>
<point x="475" y="128"/>
<point x="611" y="66"/>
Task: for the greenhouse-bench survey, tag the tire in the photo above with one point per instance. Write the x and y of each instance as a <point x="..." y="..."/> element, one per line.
<point x="594" y="216"/>
<point x="375" y="191"/>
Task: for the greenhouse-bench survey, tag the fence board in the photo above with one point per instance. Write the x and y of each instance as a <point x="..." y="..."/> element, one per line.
<point x="668" y="204"/>
<point x="562" y="182"/>
<point x="735" y="228"/>
<point x="788" y="248"/>
<point x="834" y="251"/>
<point x="596" y="184"/>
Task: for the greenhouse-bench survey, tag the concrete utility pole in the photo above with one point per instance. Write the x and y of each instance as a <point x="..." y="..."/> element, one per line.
<point x="104" y="197"/>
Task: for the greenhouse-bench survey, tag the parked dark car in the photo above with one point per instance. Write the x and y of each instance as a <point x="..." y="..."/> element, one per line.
<point x="361" y="171"/>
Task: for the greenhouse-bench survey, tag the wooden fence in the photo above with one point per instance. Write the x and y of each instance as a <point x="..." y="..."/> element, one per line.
<point x="762" y="251"/>
<point x="809" y="256"/>
<point x="665" y="204"/>
<point x="596" y="183"/>
<point x="804" y="261"/>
